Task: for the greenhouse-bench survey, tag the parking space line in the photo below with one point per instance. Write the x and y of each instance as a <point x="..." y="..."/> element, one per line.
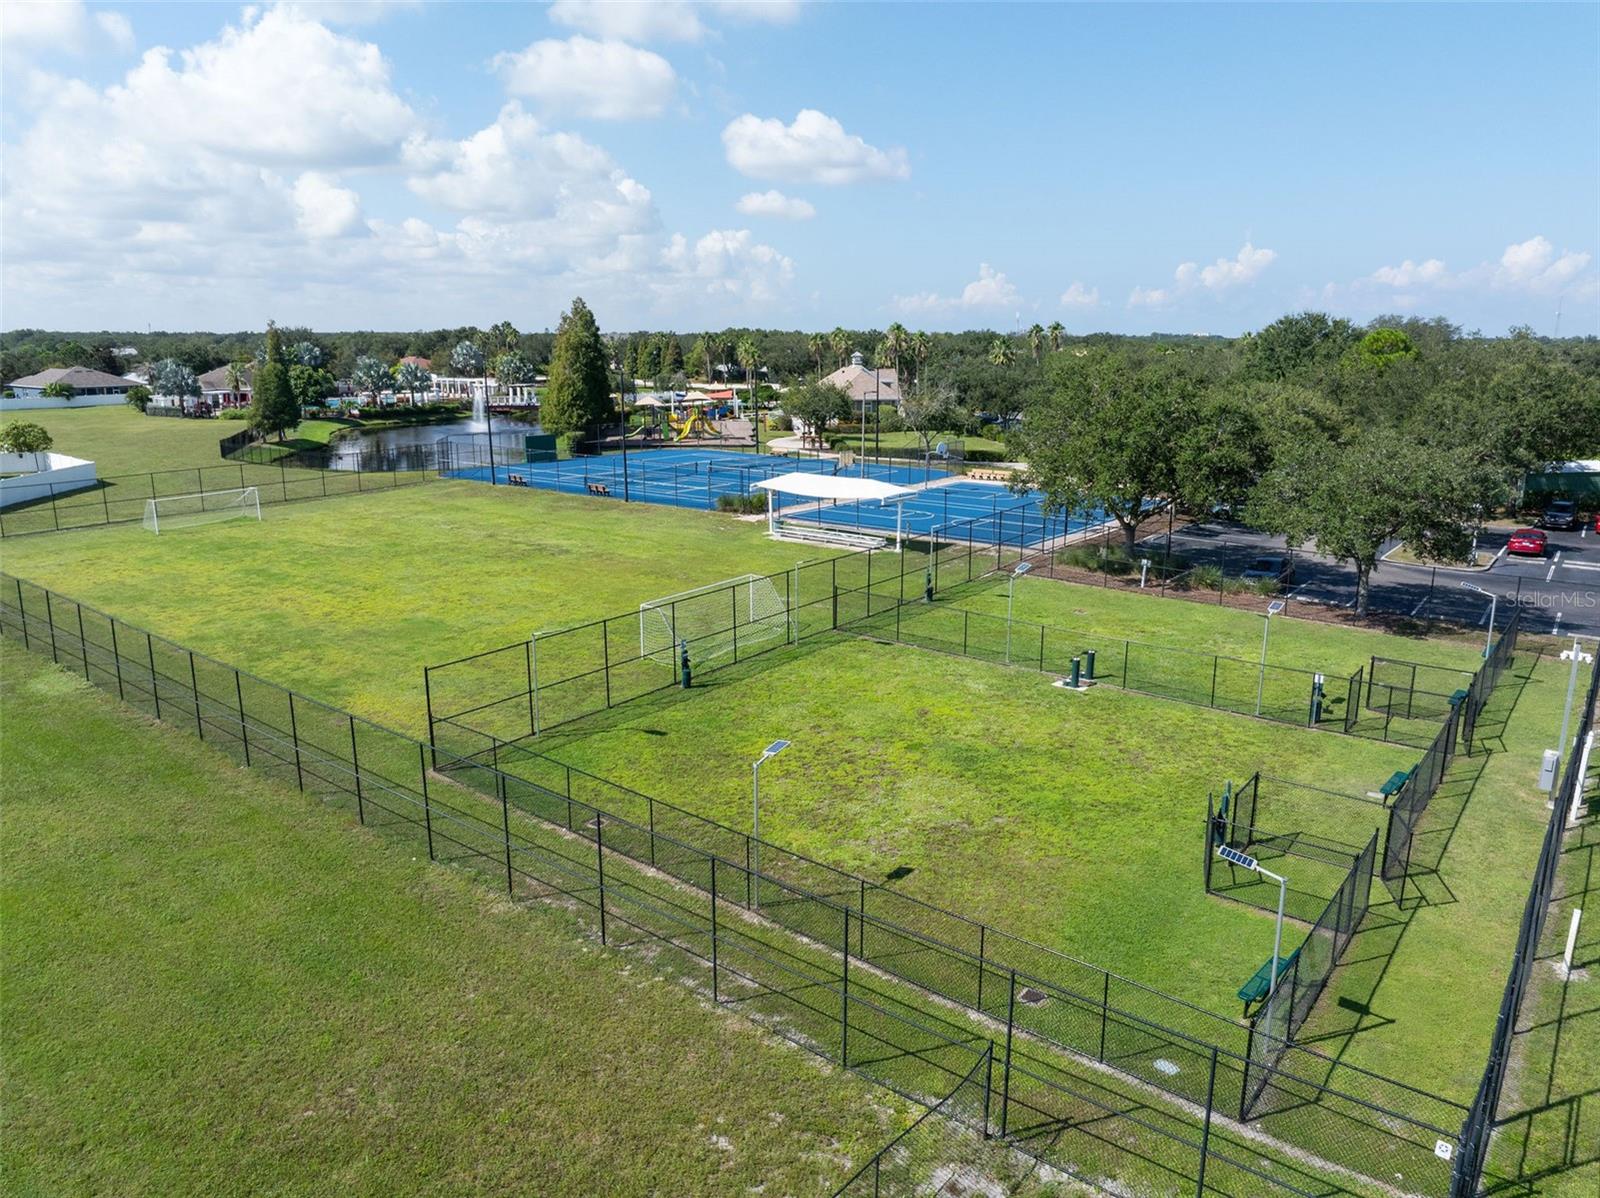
<point x="1581" y="566"/>
<point x="1551" y="572"/>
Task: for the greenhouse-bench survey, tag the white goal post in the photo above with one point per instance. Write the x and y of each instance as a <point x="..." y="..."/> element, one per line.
<point x="715" y="620"/>
<point x="203" y="507"/>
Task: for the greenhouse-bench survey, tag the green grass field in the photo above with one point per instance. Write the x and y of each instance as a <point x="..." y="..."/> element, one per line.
<point x="121" y="440"/>
<point x="1071" y="819"/>
<point x="215" y="986"/>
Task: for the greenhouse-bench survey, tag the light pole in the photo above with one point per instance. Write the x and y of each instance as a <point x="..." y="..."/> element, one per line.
<point x="1273" y="609"/>
<point x="1488" y="637"/>
<point x="1244" y="861"/>
<point x="1011" y="585"/>
<point x="767" y="754"/>
<point x="622" y="403"/>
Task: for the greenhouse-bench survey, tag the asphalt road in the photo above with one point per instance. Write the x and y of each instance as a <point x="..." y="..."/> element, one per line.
<point x="1557" y="593"/>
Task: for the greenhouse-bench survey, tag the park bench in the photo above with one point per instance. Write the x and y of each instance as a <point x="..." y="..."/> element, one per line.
<point x="516" y="480"/>
<point x="1255" y="990"/>
<point x="1455" y="699"/>
<point x="990" y="476"/>
<point x="1392" y="787"/>
<point x="599" y="489"/>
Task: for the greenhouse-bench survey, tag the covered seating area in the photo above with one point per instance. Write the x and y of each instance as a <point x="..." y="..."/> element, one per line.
<point x="810" y="523"/>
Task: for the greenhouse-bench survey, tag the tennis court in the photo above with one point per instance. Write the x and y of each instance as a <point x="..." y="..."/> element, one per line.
<point x="987" y="512"/>
<point x="697" y="478"/>
<point x="680" y="477"/>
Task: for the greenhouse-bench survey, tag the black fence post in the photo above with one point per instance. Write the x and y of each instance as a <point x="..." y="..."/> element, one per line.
<point x="1005" y="1082"/>
<point x="1205" y="1132"/>
<point x="988" y="1084"/>
<point x="982" y="931"/>
<point x="22" y="615"/>
<point x="605" y="651"/>
<point x="527" y="661"/>
<point x="1125" y="665"/>
<point x="355" y="768"/>
<point x="650" y="807"/>
<point x="1214" y="661"/>
<point x="155" y="687"/>
<point x="238" y="694"/>
<point x="427" y="810"/>
<point x="599" y="867"/>
<point x="294" y="737"/>
<point x="116" y="659"/>
<point x="715" y="995"/>
<point x="194" y="687"/>
<point x="50" y="623"/>
<point x="83" y="643"/>
<point x="844" y="994"/>
<point x="1105" y="1009"/>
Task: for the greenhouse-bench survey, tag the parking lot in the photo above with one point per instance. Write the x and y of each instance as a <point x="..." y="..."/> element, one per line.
<point x="1557" y="593"/>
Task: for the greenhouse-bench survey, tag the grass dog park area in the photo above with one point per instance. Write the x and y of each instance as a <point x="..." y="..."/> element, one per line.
<point x="1074" y="820"/>
<point x="214" y="985"/>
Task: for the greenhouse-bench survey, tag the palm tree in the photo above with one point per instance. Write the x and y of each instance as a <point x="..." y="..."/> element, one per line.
<point x="707" y="350"/>
<point x="921" y="347"/>
<point x="1001" y="352"/>
<point x="503" y="336"/>
<point x="817" y="344"/>
<point x="749" y="356"/>
<point x="896" y="341"/>
<point x="1055" y="330"/>
<point x="1036" y="341"/>
<point x="413" y="379"/>
<point x="839" y="340"/>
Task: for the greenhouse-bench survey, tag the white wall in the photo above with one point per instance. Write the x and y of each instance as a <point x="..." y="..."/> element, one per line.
<point x="48" y="474"/>
<point x="24" y="402"/>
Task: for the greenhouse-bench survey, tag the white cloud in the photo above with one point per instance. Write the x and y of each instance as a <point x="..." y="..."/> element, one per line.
<point x="1528" y="267"/>
<point x="1222" y="275"/>
<point x="726" y="261"/>
<point x="607" y="80"/>
<point x="813" y="149"/>
<point x="775" y="203"/>
<point x="664" y="20"/>
<point x="1411" y="274"/>
<point x="1079" y="296"/>
<point x="991" y="289"/>
<point x="325" y="209"/>
<point x="1242" y="268"/>
<point x="31" y="32"/>
<point x="116" y="29"/>
<point x="1533" y="265"/>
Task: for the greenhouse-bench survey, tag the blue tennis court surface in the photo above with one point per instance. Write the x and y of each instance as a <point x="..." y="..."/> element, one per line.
<point x="697" y="478"/>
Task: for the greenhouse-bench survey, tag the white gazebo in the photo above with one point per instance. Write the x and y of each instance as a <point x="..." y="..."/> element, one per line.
<point x="835" y="487"/>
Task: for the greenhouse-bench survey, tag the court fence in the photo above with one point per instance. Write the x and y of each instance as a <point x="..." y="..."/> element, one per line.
<point x="120" y="498"/>
<point x="1303" y="973"/>
<point x="529" y="687"/>
<point x="797" y="954"/>
<point x="841" y="965"/>
<point x="1478" y="1130"/>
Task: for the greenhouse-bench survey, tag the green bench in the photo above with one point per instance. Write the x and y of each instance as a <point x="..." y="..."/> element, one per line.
<point x="1455" y="699"/>
<point x="1396" y="780"/>
<point x="1261" y="981"/>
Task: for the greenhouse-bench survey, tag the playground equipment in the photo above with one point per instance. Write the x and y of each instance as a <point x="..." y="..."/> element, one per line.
<point x="693" y="423"/>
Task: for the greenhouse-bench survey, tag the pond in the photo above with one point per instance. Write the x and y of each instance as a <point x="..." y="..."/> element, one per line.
<point x="411" y="447"/>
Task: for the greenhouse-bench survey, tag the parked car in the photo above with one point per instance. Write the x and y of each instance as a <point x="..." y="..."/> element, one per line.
<point x="1597" y="522"/>
<point x="1527" y="540"/>
<point x="1561" y="513"/>
<point x="1278" y="569"/>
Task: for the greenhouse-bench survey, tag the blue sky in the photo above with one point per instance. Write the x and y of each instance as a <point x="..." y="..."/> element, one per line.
<point x="1189" y="168"/>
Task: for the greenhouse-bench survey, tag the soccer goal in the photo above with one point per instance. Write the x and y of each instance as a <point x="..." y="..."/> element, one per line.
<point x="716" y="620"/>
<point x="203" y="507"/>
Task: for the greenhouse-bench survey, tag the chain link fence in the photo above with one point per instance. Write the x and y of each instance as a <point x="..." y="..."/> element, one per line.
<point x="1478" y="1132"/>
<point x="121" y="498"/>
<point x="815" y="954"/>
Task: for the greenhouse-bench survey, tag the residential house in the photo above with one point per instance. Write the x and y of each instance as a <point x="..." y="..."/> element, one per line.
<point x="91" y="389"/>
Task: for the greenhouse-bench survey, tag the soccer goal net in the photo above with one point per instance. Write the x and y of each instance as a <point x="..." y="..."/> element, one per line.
<point x="716" y="620"/>
<point x="203" y="507"/>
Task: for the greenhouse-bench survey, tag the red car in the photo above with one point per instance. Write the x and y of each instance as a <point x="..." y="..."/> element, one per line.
<point x="1527" y="540"/>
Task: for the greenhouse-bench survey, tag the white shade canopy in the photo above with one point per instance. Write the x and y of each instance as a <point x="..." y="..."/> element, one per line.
<point x="833" y="486"/>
